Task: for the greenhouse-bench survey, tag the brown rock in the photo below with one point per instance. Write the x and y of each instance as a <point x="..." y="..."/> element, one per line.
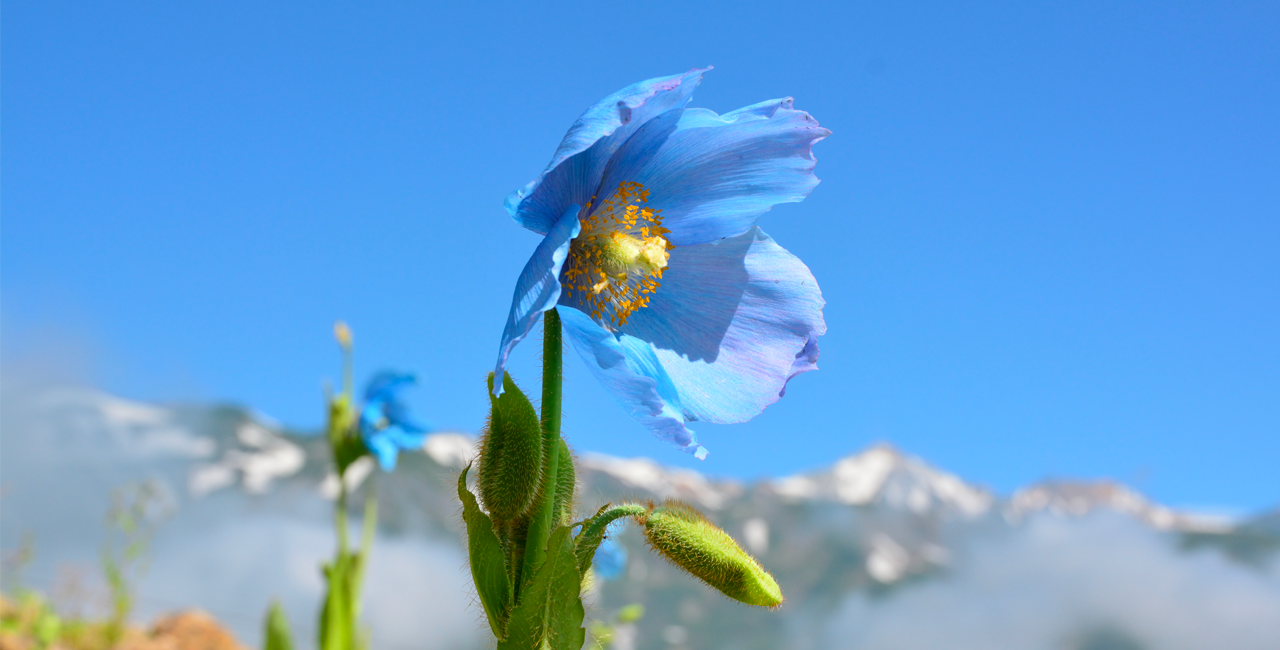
<point x="14" y="641"/>
<point x="190" y="630"/>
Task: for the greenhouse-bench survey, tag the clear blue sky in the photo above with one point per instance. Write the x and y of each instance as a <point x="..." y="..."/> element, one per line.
<point x="1048" y="233"/>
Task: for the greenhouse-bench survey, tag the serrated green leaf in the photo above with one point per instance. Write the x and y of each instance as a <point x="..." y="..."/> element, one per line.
<point x="488" y="563"/>
<point x="277" y="633"/>
<point x="549" y="614"/>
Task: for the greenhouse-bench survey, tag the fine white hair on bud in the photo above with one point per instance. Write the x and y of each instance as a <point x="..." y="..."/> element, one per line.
<point x="510" y="453"/>
<point x="683" y="536"/>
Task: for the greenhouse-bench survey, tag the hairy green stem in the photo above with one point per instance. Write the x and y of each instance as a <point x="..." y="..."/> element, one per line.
<point x="543" y="520"/>
<point x="596" y="525"/>
<point x="340" y="515"/>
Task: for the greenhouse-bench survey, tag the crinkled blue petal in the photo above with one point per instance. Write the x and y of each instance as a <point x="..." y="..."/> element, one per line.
<point x="732" y="322"/>
<point x="573" y="176"/>
<point x="397" y="413"/>
<point x="371" y="416"/>
<point x="384" y="450"/>
<point x="806" y="360"/>
<point x="537" y="288"/>
<point x="385" y="385"/>
<point x="382" y="402"/>
<point x="712" y="176"/>
<point x="630" y="371"/>
<point x="386" y="443"/>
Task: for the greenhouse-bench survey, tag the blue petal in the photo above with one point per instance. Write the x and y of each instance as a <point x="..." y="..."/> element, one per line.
<point x="806" y="360"/>
<point x="537" y="288"/>
<point x="385" y="385"/>
<point x="386" y="443"/>
<point x="397" y="413"/>
<point x="573" y="176"/>
<point x="731" y="323"/>
<point x="371" y="416"/>
<point x="629" y="370"/>
<point x="384" y="450"/>
<point x="712" y="176"/>
<point x="404" y="438"/>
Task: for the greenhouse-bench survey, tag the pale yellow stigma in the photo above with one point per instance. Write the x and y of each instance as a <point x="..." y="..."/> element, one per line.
<point x="617" y="260"/>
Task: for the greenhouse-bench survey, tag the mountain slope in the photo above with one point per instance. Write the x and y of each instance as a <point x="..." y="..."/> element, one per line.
<point x="861" y="549"/>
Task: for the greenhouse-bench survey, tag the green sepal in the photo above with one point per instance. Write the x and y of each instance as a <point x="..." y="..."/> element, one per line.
<point x="550" y="613"/>
<point x="510" y="466"/>
<point x="276" y="635"/>
<point x="593" y="530"/>
<point x="488" y="562"/>
<point x="346" y="450"/>
<point x="341" y="417"/>
<point x="683" y="536"/>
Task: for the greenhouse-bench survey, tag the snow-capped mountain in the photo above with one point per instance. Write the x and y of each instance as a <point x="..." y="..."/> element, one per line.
<point x="867" y="551"/>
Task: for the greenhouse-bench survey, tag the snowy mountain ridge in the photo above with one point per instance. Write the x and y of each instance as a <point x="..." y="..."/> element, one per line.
<point x="871" y="545"/>
<point x="880" y="475"/>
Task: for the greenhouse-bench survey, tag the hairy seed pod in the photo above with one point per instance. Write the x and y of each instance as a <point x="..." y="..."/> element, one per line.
<point x="510" y="453"/>
<point x="566" y="486"/>
<point x="683" y="536"/>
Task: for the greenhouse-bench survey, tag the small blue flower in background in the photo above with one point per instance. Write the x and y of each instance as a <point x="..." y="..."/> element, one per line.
<point x="678" y="303"/>
<point x="610" y="560"/>
<point x="385" y="425"/>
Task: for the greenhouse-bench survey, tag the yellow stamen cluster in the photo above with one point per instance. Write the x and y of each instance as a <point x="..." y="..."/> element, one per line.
<point x="616" y="261"/>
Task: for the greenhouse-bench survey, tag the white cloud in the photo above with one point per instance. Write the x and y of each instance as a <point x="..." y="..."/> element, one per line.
<point x="1054" y="583"/>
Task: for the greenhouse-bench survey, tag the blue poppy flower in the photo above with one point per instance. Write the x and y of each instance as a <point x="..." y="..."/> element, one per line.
<point x="610" y="559"/>
<point x="678" y="303"/>
<point x="385" y="425"/>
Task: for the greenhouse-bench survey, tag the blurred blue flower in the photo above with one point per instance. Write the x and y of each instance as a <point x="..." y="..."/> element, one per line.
<point x="385" y="425"/>
<point x="610" y="559"/>
<point x="678" y="303"/>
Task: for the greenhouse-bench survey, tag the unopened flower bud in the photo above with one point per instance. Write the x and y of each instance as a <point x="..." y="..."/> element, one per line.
<point x="688" y="540"/>
<point x="342" y="333"/>
<point x="510" y="453"/>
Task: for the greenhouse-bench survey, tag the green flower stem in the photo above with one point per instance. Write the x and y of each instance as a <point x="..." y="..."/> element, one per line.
<point x="340" y="515"/>
<point x="348" y="371"/>
<point x="596" y="526"/>
<point x="552" y="380"/>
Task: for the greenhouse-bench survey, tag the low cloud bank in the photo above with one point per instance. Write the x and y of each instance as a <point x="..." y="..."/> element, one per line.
<point x="1104" y="582"/>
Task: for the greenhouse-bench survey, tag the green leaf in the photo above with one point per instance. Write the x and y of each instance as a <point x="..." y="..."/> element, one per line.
<point x="488" y="562"/>
<point x="549" y="614"/>
<point x="337" y="617"/>
<point x="277" y="629"/>
<point x="593" y="531"/>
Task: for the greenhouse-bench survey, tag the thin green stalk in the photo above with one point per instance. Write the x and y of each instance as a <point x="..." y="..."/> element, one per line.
<point x="340" y="515"/>
<point x="348" y="372"/>
<point x="552" y="381"/>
